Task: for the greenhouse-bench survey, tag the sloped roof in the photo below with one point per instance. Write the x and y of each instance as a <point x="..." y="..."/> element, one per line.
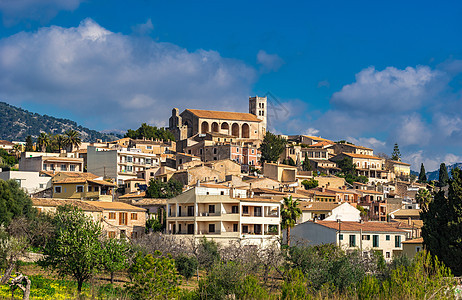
<point x="406" y="213"/>
<point x="399" y="163"/>
<point x="114" y="205"/>
<point x="224" y="115"/>
<point x="317" y="138"/>
<point x="258" y="199"/>
<point x="322" y="144"/>
<point x="354" y="155"/>
<point x="357" y="226"/>
<point x="133" y="195"/>
<point x="317" y="206"/>
<point x="54" y="202"/>
<point x="150" y="201"/>
<point x="414" y="241"/>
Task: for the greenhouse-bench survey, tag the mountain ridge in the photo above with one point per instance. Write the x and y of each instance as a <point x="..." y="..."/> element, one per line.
<point x="17" y="123"/>
<point x="434" y="175"/>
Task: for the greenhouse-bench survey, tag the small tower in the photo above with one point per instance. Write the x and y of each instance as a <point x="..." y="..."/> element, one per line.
<point x="257" y="106"/>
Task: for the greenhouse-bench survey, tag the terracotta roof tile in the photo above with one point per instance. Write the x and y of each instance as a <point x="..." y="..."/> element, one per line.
<point x="114" y="205"/>
<point x="354" y="155"/>
<point x="356" y="226"/>
<point x="316" y="206"/>
<point x="224" y="115"/>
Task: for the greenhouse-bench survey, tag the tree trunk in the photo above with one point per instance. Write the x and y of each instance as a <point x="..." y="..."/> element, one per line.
<point x="27" y="290"/>
<point x="7" y="274"/>
<point x="112" y="277"/>
<point x="79" y="286"/>
<point x="288" y="235"/>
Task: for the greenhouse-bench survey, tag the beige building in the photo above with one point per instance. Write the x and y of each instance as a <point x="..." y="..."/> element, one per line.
<point x="365" y="237"/>
<point x="250" y="125"/>
<point x="117" y="219"/>
<point x="366" y="165"/>
<point x="350" y="148"/>
<point x="119" y="164"/>
<point x="49" y="162"/>
<point x="412" y="247"/>
<point x="280" y="172"/>
<point x="400" y="169"/>
<point x="224" y="214"/>
<point x="328" y="211"/>
<point x="85" y="186"/>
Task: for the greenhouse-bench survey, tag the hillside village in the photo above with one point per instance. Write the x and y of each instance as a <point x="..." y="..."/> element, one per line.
<point x="227" y="191"/>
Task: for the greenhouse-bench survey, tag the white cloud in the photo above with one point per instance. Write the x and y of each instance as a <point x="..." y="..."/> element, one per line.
<point x="269" y="62"/>
<point x="412" y="130"/>
<point x="370" y="142"/>
<point x="143" y="29"/>
<point x="311" y="131"/>
<point x="39" y="10"/>
<point x="389" y="91"/>
<point x="115" y="80"/>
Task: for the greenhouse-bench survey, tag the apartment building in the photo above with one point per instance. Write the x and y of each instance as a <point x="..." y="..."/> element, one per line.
<point x="350" y="236"/>
<point x="51" y="162"/>
<point x="366" y="165"/>
<point x="118" y="220"/>
<point x="30" y="181"/>
<point x="224" y="214"/>
<point x="119" y="164"/>
<point x="350" y="148"/>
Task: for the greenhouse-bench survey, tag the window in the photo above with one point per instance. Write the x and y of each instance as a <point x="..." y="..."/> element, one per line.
<point x="134" y="234"/>
<point x="122" y="218"/>
<point x="148" y="161"/>
<point x="123" y="234"/>
<point x="200" y="151"/>
<point x="340" y="237"/>
<point x="257" y="211"/>
<point x="111" y="234"/>
<point x="134" y="216"/>
<point x="235" y="209"/>
<point x="129" y="168"/>
<point x="257" y="228"/>
<point x="211" y="209"/>
<point x="211" y="227"/>
<point x="112" y="216"/>
<point x="52" y="166"/>
<point x="149" y="147"/>
<point x="397" y="241"/>
<point x="179" y="211"/>
<point x="245" y="210"/>
<point x="79" y="189"/>
<point x="45" y="166"/>
<point x="129" y="159"/>
<point x="190" y="211"/>
<point x="214" y="150"/>
<point x="72" y="168"/>
<point x="237" y="149"/>
<point x="96" y="188"/>
<point x="89" y="188"/>
<point x="387" y="237"/>
<point x="387" y="254"/>
<point x="352" y="240"/>
<point x="252" y="151"/>
<point x="41" y="185"/>
<point x="366" y="237"/>
<point x="235" y="227"/>
<point x="245" y="229"/>
<point x="375" y="240"/>
<point x="222" y="192"/>
<point x="57" y="189"/>
<point x="63" y="168"/>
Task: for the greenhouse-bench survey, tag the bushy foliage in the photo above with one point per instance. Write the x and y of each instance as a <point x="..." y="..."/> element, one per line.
<point x="159" y="189"/>
<point x="14" y="202"/>
<point x="7" y="159"/>
<point x="272" y="147"/>
<point x="75" y="249"/>
<point x="154" y="225"/>
<point x="208" y="254"/>
<point x="186" y="265"/>
<point x="115" y="256"/>
<point x="154" y="277"/>
<point x="310" y="184"/>
<point x="150" y="132"/>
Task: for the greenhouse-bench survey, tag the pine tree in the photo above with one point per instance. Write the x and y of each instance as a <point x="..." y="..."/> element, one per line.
<point x="442" y="224"/>
<point x="272" y="147"/>
<point x="396" y="155"/>
<point x="422" y="176"/>
<point x="443" y="176"/>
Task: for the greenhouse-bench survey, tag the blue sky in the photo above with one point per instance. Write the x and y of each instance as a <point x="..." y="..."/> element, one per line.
<point x="369" y="72"/>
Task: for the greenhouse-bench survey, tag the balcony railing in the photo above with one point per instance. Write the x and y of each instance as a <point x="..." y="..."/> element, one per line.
<point x="209" y="214"/>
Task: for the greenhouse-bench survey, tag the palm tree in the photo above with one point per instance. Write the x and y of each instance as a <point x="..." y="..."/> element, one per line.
<point x="43" y="141"/>
<point x="424" y="198"/>
<point x="290" y="213"/>
<point x="72" y="138"/>
<point x="17" y="149"/>
<point x="60" y="141"/>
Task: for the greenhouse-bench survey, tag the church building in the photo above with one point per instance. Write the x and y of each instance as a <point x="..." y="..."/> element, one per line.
<point x="250" y="125"/>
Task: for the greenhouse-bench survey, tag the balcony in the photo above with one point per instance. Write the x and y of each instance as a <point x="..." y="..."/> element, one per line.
<point x="209" y="214"/>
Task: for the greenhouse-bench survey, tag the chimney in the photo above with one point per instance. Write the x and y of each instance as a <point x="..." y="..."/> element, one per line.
<point x="409" y="221"/>
<point x="323" y="189"/>
<point x="198" y="183"/>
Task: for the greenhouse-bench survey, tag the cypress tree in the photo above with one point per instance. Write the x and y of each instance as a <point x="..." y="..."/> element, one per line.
<point x="306" y="163"/>
<point x="442" y="224"/>
<point x="443" y="176"/>
<point x="29" y="143"/>
<point x="422" y="176"/>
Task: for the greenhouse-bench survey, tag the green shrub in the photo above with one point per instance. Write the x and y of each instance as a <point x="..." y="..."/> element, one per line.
<point x="186" y="265"/>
